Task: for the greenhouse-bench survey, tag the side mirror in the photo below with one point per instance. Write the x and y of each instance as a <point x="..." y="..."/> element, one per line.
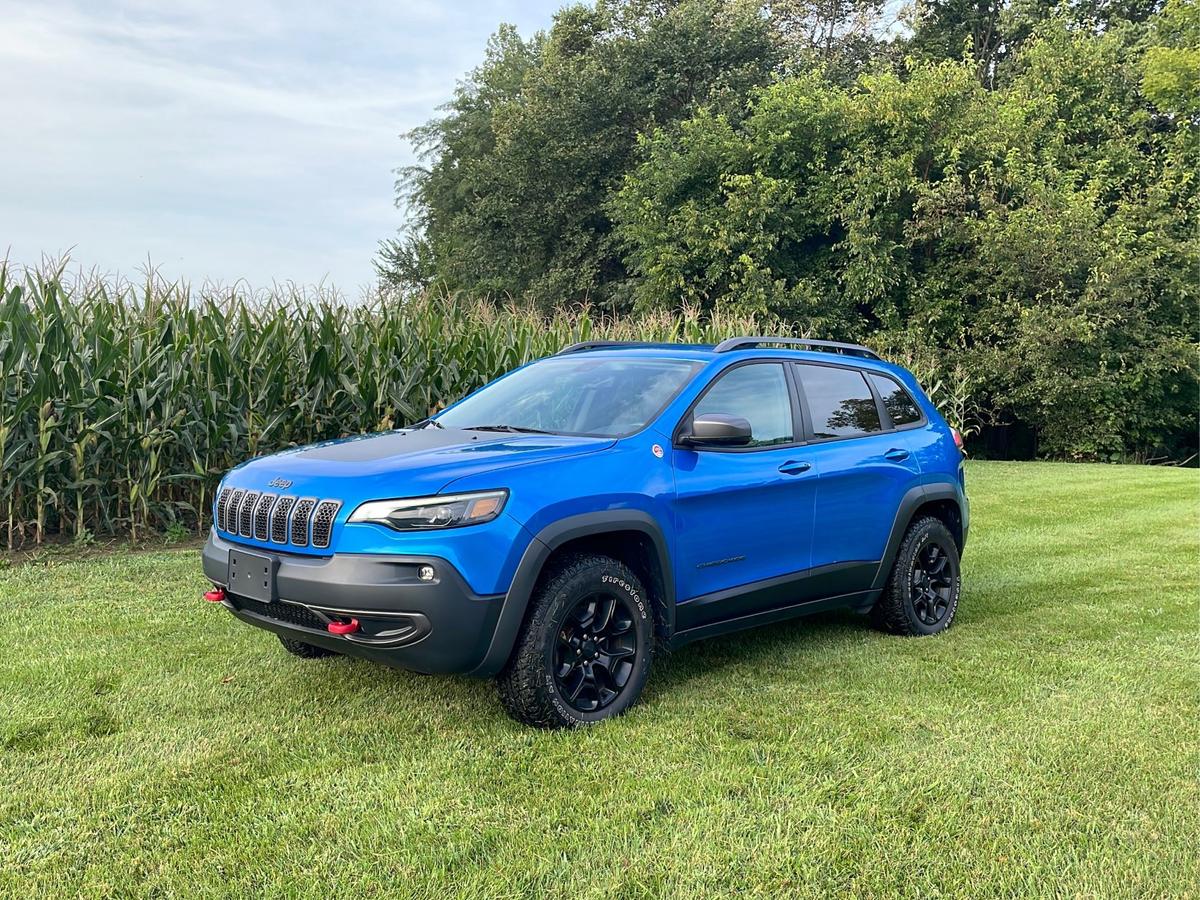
<point x="718" y="430"/>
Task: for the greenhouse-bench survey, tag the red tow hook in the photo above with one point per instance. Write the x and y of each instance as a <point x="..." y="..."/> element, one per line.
<point x="216" y="595"/>
<point x="343" y="627"/>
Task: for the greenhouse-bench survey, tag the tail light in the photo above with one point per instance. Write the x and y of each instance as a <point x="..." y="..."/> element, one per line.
<point x="958" y="441"/>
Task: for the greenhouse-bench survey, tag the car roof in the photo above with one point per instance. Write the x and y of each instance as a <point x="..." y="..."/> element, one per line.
<point x="707" y="353"/>
<point x="647" y="351"/>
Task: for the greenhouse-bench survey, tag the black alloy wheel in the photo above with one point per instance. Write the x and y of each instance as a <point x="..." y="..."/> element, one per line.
<point x="932" y="584"/>
<point x="595" y="652"/>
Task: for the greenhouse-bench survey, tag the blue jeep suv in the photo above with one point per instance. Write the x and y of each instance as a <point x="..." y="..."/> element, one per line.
<point x="562" y="524"/>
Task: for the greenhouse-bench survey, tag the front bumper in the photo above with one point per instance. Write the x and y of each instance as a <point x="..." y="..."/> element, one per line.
<point x="427" y="626"/>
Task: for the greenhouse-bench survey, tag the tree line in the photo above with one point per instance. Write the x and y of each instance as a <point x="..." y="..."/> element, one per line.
<point x="1005" y="190"/>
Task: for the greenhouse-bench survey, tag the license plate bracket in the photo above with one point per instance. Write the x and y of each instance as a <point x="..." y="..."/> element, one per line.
<point x="252" y="575"/>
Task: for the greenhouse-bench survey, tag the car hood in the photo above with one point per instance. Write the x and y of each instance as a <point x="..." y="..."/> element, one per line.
<point x="405" y="463"/>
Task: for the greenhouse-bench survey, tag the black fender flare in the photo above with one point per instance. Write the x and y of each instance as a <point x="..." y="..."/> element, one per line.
<point x="912" y="500"/>
<point x="545" y="542"/>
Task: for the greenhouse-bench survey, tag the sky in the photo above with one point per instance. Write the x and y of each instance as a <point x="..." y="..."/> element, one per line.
<point x="250" y="140"/>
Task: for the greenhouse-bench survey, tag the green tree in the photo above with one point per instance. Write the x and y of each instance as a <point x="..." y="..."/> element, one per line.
<point x="842" y="37"/>
<point x="1171" y="66"/>
<point x="991" y="32"/>
<point x="511" y="197"/>
<point x="1043" y="234"/>
<point x="1012" y="211"/>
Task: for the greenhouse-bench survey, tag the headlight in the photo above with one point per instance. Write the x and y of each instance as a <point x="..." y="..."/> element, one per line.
<point x="424" y="513"/>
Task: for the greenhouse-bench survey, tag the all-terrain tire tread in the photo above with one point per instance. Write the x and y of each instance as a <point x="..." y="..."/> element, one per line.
<point x="521" y="684"/>
<point x="890" y="612"/>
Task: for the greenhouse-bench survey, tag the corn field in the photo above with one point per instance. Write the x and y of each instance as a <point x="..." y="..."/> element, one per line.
<point x="122" y="404"/>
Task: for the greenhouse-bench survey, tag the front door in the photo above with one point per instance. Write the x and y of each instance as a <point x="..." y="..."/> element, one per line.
<point x="743" y="515"/>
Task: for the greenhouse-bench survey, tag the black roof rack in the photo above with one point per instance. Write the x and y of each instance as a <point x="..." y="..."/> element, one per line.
<point x="600" y="345"/>
<point x="742" y="343"/>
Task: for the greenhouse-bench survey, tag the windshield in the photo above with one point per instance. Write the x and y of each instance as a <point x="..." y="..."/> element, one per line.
<point x="602" y="397"/>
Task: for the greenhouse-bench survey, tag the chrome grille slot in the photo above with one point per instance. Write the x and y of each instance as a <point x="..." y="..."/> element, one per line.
<point x="231" y="514"/>
<point x="262" y="516"/>
<point x="223" y="507"/>
<point x="304" y="508"/>
<point x="279" y="519"/>
<point x="322" y="526"/>
<point x="246" y="514"/>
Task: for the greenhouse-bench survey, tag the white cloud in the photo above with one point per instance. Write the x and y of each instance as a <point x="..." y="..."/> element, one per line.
<point x="254" y="139"/>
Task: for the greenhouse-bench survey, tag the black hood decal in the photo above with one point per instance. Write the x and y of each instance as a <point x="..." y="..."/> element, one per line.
<point x="370" y="447"/>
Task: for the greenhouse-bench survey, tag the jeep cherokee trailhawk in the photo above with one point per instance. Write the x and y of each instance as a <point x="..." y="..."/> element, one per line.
<point x="557" y="526"/>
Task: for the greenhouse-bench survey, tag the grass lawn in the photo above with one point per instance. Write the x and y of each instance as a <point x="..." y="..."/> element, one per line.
<point x="1047" y="744"/>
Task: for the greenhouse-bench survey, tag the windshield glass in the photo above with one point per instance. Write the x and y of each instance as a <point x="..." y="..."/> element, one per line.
<point x="604" y="397"/>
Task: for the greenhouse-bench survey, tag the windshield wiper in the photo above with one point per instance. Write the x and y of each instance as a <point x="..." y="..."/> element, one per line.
<point x="427" y="423"/>
<point x="516" y="429"/>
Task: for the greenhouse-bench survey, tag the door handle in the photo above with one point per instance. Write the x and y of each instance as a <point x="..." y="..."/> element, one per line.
<point x="896" y="454"/>
<point x="795" y="467"/>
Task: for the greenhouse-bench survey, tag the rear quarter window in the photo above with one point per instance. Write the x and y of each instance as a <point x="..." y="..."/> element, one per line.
<point x="897" y="401"/>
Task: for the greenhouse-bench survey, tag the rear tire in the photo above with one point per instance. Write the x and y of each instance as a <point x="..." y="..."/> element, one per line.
<point x="922" y="592"/>
<point x="584" y="652"/>
<point x="303" y="650"/>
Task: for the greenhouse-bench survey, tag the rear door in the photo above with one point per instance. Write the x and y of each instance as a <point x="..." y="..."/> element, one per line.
<point x="743" y="514"/>
<point x="866" y="466"/>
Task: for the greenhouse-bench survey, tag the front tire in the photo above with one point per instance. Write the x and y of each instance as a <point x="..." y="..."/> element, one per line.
<point x="584" y="651"/>
<point x="922" y="593"/>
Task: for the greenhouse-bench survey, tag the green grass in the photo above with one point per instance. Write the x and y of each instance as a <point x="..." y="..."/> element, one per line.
<point x="1047" y="744"/>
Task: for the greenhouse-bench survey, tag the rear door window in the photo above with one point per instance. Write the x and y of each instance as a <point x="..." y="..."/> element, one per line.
<point x="897" y="401"/>
<point x="840" y="402"/>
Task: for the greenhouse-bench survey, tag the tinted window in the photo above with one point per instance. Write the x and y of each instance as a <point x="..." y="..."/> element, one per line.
<point x="759" y="394"/>
<point x="602" y="394"/>
<point x="839" y="401"/>
<point x="896" y="400"/>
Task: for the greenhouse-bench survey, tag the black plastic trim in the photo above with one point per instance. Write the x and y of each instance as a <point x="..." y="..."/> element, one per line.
<point x="781" y="592"/>
<point x="451" y="627"/>
<point x="859" y="600"/>
<point x="750" y="341"/>
<point x="583" y="346"/>
<point x="912" y="500"/>
<point x="549" y="539"/>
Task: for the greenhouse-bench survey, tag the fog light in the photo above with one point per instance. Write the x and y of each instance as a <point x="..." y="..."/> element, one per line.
<point x="426" y="573"/>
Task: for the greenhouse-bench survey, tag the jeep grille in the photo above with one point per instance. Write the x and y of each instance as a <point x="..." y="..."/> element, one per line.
<point x="304" y="508"/>
<point x="294" y="521"/>
<point x="279" y="519"/>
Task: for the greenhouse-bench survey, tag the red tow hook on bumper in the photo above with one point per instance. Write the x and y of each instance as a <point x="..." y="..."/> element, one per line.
<point x="343" y="627"/>
<point x="216" y="595"/>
